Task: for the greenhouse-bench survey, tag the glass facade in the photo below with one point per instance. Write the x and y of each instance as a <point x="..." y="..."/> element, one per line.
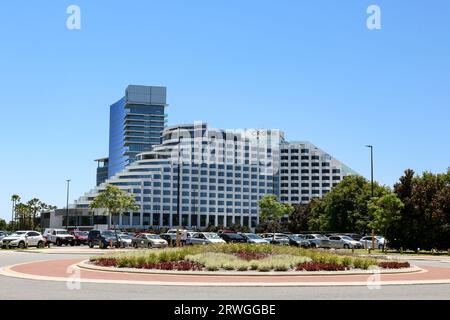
<point x="136" y="125"/>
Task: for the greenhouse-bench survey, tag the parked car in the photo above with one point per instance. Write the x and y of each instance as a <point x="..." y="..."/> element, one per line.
<point x="102" y="239"/>
<point x="59" y="237"/>
<point x="318" y="240"/>
<point x="3" y="234"/>
<point x="171" y="238"/>
<point x="149" y="240"/>
<point x="23" y="239"/>
<point x="366" y="242"/>
<point x="299" y="241"/>
<point x="354" y="236"/>
<point x="125" y="240"/>
<point x="80" y="237"/>
<point x="254" y="238"/>
<point x="206" y="238"/>
<point x="279" y="238"/>
<point x="233" y="237"/>
<point x="344" y="242"/>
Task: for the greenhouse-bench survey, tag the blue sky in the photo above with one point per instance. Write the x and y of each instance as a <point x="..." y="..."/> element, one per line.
<point x="310" y="68"/>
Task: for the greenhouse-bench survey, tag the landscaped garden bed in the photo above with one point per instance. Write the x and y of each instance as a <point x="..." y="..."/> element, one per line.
<point x="242" y="257"/>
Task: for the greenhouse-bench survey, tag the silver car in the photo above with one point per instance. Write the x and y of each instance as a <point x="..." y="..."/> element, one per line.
<point x="317" y="240"/>
<point x="344" y="242"/>
<point x="3" y="234"/>
<point x="206" y="238"/>
<point x="124" y="240"/>
<point x="254" y="238"/>
<point x="366" y="242"/>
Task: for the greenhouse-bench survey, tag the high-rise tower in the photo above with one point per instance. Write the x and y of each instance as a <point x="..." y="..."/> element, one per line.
<point x="136" y="124"/>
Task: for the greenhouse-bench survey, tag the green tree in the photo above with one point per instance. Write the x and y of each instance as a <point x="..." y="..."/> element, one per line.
<point x="425" y="217"/>
<point x="271" y="211"/>
<point x="298" y="220"/>
<point x="3" y="224"/>
<point x="115" y="201"/>
<point x="23" y="213"/>
<point x="345" y="207"/>
<point x="36" y="207"/>
<point x="14" y="199"/>
<point x="386" y="212"/>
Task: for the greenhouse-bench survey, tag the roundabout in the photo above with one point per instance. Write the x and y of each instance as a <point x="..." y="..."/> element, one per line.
<point x="77" y="270"/>
<point x="60" y="273"/>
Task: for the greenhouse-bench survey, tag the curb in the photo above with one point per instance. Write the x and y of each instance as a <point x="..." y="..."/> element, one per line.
<point x="88" y="266"/>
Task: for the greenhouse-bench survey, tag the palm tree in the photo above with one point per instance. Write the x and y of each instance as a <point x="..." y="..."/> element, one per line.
<point x="23" y="214"/>
<point x="14" y="199"/>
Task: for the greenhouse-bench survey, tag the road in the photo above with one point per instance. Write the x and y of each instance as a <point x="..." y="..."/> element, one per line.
<point x="14" y="288"/>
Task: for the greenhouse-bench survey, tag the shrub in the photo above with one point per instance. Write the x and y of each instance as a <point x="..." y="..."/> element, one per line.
<point x="347" y="261"/>
<point x="141" y="261"/>
<point x="106" y="262"/>
<point x="163" y="256"/>
<point x="318" y="266"/>
<point x="248" y="256"/>
<point x="393" y="265"/>
<point x="364" y="263"/>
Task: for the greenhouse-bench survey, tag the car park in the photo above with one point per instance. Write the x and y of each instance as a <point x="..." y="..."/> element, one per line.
<point x="344" y="242"/>
<point x="254" y="238"/>
<point x="103" y="239"/>
<point x="317" y="240"/>
<point x="59" y="237"/>
<point x="233" y="237"/>
<point x="23" y="239"/>
<point x="149" y="240"/>
<point x="366" y="242"/>
<point x="206" y="238"/>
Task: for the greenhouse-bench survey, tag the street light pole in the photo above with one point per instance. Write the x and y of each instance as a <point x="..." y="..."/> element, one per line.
<point x="67" y="205"/>
<point x="372" y="185"/>
<point x="178" y="189"/>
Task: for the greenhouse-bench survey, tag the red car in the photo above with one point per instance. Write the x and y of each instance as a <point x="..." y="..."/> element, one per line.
<point x="81" y="237"/>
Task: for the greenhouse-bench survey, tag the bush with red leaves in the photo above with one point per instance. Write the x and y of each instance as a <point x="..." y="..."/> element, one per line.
<point x="106" y="262"/>
<point x="393" y="265"/>
<point x="173" y="265"/>
<point x="318" y="266"/>
<point x="169" y="265"/>
<point x="248" y="256"/>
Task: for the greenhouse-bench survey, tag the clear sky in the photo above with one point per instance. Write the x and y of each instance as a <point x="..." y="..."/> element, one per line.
<point x="310" y="68"/>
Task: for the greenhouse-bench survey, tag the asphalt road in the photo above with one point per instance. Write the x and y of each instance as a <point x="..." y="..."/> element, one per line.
<point x="13" y="288"/>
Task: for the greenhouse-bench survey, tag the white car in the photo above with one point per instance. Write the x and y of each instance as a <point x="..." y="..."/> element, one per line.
<point x="59" y="237"/>
<point x="254" y="238"/>
<point x="366" y="242"/>
<point x="23" y="239"/>
<point x="344" y="242"/>
<point x="206" y="238"/>
<point x="149" y="240"/>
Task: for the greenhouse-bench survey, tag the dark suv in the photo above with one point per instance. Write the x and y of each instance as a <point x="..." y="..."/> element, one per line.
<point x="102" y="239"/>
<point x="233" y="237"/>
